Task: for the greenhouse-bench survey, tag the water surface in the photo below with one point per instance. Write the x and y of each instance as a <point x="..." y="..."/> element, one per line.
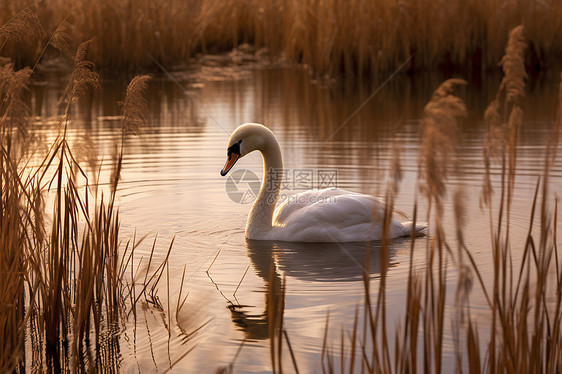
<point x="171" y="186"/>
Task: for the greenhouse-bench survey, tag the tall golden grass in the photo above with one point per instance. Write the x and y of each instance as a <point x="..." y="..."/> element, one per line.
<point x="329" y="36"/>
<point x="63" y="274"/>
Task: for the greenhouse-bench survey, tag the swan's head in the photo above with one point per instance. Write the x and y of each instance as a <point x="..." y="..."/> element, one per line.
<point x="246" y="138"/>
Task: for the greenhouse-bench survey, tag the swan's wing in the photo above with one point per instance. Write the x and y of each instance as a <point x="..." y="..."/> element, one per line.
<point x="332" y="215"/>
<point x="344" y="218"/>
<point x="333" y="207"/>
<point x="294" y="204"/>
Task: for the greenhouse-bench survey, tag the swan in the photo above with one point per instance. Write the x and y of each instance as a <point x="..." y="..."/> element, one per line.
<point x="326" y="215"/>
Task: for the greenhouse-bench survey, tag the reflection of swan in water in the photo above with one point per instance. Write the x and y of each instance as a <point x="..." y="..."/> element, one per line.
<point x="317" y="262"/>
<point x="328" y="215"/>
<point x="312" y="262"/>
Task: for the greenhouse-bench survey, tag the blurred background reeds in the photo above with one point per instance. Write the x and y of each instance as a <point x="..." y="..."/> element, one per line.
<point x="331" y="37"/>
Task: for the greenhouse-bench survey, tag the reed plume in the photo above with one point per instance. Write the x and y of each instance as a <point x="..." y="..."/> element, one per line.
<point x="513" y="66"/>
<point x="504" y="115"/>
<point x="14" y="111"/>
<point x="440" y="126"/>
<point x="61" y="39"/>
<point x="135" y="108"/>
<point x="135" y="114"/>
<point x="23" y="28"/>
<point x="84" y="77"/>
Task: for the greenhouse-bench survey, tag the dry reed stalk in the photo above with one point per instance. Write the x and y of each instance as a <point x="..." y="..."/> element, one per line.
<point x="382" y="361"/>
<point x="461" y="326"/>
<point x="21" y="222"/>
<point x="241" y="279"/>
<point x="356" y="38"/>
<point x="440" y="127"/>
<point x="407" y="350"/>
<point x="326" y="357"/>
<point x="181" y="302"/>
<point x="11" y="265"/>
<point x="503" y="118"/>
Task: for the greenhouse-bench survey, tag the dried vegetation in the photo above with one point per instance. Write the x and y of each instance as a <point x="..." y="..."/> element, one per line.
<point x="65" y="288"/>
<point x="329" y="36"/>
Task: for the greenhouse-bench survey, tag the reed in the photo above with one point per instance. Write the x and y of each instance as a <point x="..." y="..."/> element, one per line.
<point x="331" y="37"/>
<point x="525" y="299"/>
<point x="64" y="282"/>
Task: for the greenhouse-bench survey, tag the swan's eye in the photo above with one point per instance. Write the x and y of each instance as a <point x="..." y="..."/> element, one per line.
<point x="235" y="148"/>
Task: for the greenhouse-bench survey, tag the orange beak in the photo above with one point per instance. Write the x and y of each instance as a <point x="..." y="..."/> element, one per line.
<point x="232" y="158"/>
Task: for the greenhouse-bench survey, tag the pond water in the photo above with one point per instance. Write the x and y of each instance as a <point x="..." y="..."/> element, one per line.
<point x="171" y="186"/>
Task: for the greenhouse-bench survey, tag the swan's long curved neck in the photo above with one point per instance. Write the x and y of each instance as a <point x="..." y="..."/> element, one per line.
<point x="261" y="215"/>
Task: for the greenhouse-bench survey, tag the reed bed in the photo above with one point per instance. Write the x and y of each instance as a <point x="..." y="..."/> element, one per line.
<point x="65" y="288"/>
<point x="329" y="36"/>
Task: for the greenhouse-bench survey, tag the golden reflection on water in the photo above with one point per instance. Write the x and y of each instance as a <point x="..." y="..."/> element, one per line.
<point x="171" y="185"/>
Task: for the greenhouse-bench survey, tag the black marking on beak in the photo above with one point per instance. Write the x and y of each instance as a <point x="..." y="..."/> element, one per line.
<point x="233" y="153"/>
<point x="235" y="148"/>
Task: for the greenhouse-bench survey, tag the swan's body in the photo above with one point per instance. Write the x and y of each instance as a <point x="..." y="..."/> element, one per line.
<point x="328" y="215"/>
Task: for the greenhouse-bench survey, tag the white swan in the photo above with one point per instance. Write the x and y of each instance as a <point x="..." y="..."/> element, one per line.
<point x="328" y="215"/>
